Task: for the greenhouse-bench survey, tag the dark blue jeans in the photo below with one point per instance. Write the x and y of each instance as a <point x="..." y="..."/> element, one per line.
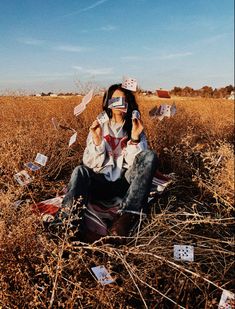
<point x="133" y="187"/>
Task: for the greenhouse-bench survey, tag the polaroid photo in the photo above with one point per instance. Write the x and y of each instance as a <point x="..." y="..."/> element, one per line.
<point x="22" y="178"/>
<point x="41" y="159"/>
<point x="135" y="114"/>
<point x="184" y="253"/>
<point x="165" y="110"/>
<point x="33" y="167"/>
<point x="154" y="111"/>
<point x="87" y="98"/>
<point x="227" y="300"/>
<point x="160" y="117"/>
<point x="114" y="101"/>
<point x="102" y="275"/>
<point x="73" y="139"/>
<point x="102" y="117"/>
<point x="129" y="84"/>
<point x="79" y="109"/>
<point x="82" y="106"/>
<point x="117" y="103"/>
<point x="159" y="185"/>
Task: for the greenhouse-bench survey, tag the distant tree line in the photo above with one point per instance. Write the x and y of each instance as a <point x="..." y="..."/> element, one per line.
<point x="43" y="94"/>
<point x="205" y="92"/>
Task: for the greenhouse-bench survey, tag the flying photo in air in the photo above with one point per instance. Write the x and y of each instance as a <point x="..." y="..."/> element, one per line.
<point x="129" y="83"/>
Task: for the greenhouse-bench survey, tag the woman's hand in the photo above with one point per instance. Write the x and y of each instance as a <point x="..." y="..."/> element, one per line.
<point x="96" y="131"/>
<point x="137" y="129"/>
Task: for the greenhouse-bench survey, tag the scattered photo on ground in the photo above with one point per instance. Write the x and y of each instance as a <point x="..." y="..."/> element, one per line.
<point x="184" y="253"/>
<point x="33" y="167"/>
<point x="41" y="159"/>
<point x="102" y="275"/>
<point x="23" y="178"/>
<point x="227" y="300"/>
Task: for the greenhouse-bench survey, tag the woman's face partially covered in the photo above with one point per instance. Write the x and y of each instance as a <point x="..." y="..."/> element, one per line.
<point x="117" y="94"/>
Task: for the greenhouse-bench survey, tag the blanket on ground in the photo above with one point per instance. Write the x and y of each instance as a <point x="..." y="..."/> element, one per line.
<point x="98" y="215"/>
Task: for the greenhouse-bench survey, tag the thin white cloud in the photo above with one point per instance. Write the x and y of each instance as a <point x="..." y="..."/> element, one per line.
<point x="175" y="55"/>
<point x="90" y="7"/>
<point x="108" y="28"/>
<point x="94" y="71"/>
<point x="62" y="47"/>
<point x="162" y="57"/>
<point x="71" y="48"/>
<point x="31" y="41"/>
<point x="94" y="5"/>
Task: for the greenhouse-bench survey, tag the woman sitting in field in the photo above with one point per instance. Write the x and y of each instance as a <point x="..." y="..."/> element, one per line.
<point x="116" y="161"/>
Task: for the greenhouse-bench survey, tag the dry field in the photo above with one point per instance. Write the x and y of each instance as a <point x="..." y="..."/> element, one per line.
<point x="41" y="271"/>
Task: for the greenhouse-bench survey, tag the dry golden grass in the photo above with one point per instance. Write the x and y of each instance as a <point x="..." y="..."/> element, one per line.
<point x="40" y="271"/>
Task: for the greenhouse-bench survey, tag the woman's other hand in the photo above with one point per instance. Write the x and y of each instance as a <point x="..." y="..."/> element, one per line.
<point x="96" y="131"/>
<point x="137" y="129"/>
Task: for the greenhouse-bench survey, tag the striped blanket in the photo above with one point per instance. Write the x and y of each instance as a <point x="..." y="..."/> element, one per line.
<point x="98" y="216"/>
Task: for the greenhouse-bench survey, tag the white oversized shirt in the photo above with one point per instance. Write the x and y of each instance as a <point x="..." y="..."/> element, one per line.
<point x="115" y="152"/>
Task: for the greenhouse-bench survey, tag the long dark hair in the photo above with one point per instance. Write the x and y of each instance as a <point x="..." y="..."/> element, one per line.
<point x="132" y="105"/>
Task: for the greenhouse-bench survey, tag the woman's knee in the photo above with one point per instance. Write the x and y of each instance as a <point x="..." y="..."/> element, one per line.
<point x="148" y="156"/>
<point x="80" y="171"/>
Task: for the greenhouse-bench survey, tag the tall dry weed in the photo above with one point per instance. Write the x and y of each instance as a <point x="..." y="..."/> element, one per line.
<point x="39" y="270"/>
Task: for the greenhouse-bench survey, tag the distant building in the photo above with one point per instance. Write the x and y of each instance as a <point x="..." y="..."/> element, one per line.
<point x="38" y="95"/>
<point x="163" y="94"/>
<point x="53" y="95"/>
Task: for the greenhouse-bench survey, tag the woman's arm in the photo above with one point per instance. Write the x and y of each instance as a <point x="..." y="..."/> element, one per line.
<point x="133" y="148"/>
<point x="94" y="154"/>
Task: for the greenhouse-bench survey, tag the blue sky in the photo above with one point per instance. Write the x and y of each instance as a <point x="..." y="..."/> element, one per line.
<point x="50" y="44"/>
